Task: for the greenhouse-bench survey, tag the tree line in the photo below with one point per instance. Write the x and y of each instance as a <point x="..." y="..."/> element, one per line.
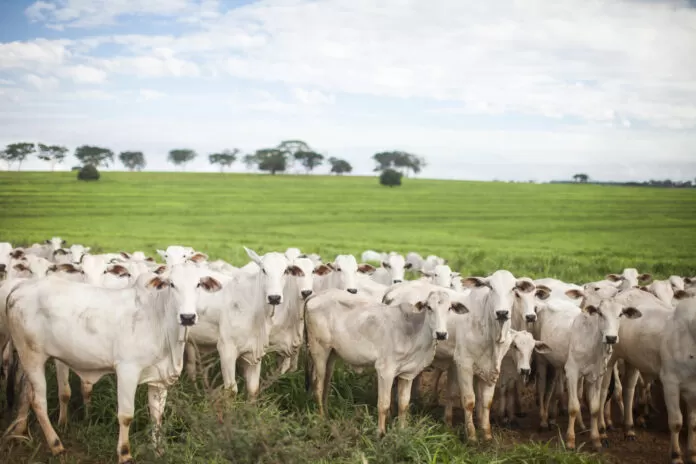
<point x="287" y="155"/>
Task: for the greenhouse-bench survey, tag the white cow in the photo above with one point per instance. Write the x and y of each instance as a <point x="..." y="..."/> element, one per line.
<point x="250" y="308"/>
<point x="392" y="270"/>
<point x="592" y="335"/>
<point x="482" y="339"/>
<point x="77" y="252"/>
<point x="371" y="255"/>
<point x="629" y="278"/>
<point x="292" y="254"/>
<point x="678" y="374"/>
<point x="414" y="261"/>
<point x="443" y="276"/>
<point x="561" y="290"/>
<point x="138" y="333"/>
<point x="341" y="274"/>
<point x="398" y="341"/>
<point x="663" y="290"/>
<point x="47" y="249"/>
<point x="175" y="254"/>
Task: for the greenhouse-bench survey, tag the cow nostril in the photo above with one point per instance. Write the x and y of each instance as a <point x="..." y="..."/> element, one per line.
<point x="305" y="293"/>
<point x="397" y="281"/>
<point x="353" y="290"/>
<point x="502" y="315"/>
<point x="531" y="317"/>
<point x="187" y="319"/>
<point x="525" y="371"/>
<point x="274" y="299"/>
<point x="611" y="339"/>
<point x="441" y="335"/>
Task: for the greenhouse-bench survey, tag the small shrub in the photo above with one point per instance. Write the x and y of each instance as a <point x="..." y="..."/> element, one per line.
<point x="88" y="172"/>
<point x="390" y="178"/>
<point x="76" y="168"/>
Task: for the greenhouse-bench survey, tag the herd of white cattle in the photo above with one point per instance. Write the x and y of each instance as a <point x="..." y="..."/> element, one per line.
<point x="124" y="313"/>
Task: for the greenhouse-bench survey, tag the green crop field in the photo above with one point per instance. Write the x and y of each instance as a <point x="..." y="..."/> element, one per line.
<point x="573" y="232"/>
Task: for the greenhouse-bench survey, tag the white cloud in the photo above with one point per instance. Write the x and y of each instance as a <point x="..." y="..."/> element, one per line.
<point x="33" y="54"/>
<point x="92" y="13"/>
<point x="42" y="84"/>
<point x="312" y="97"/>
<point x="6" y="82"/>
<point x="161" y="63"/>
<point x="149" y="94"/>
<point x="85" y="74"/>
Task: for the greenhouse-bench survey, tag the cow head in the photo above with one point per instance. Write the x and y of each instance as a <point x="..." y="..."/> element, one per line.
<point x="522" y="346"/>
<point x="186" y="281"/>
<point x="274" y="268"/>
<point x="175" y="254"/>
<point x="347" y="268"/>
<point x="77" y="253"/>
<point x="306" y="280"/>
<point x="394" y="263"/>
<point x="609" y="313"/>
<point x="437" y="306"/>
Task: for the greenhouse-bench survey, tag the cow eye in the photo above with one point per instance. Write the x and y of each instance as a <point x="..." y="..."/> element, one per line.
<point x="172" y="285"/>
<point x="263" y="270"/>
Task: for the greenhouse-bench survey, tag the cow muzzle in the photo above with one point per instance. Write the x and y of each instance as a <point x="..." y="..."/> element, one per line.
<point x="274" y="299"/>
<point x="397" y="281"/>
<point x="352" y="290"/>
<point x="502" y="316"/>
<point x="441" y="335"/>
<point x="525" y="372"/>
<point x="611" y="339"/>
<point x="187" y="319"/>
<point x="530" y="318"/>
<point x="305" y="293"/>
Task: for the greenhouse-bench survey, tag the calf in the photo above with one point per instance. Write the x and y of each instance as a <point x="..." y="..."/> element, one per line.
<point x="138" y="333"/>
<point x="398" y="341"/>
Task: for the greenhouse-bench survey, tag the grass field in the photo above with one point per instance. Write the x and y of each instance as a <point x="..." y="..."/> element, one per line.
<point x="573" y="232"/>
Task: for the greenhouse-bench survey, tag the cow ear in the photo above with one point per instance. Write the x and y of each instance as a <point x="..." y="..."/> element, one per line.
<point x="198" y="257"/>
<point x="386" y="265"/>
<point x="118" y="270"/>
<point x="253" y="256"/>
<point x="162" y="253"/>
<point x="210" y="284"/>
<point x="366" y="268"/>
<point x="125" y="255"/>
<point x="158" y="283"/>
<point x="426" y="273"/>
<point x="160" y="269"/>
<point x="591" y="309"/>
<point x="48" y="242"/>
<point x="541" y="347"/>
<point x="631" y="313"/>
<point x="322" y="270"/>
<point x="681" y="295"/>
<point x="525" y="285"/>
<point x="459" y="308"/>
<point x="614" y="277"/>
<point x="477" y="282"/>
<point x="63" y="242"/>
<point x="17" y="253"/>
<point x="645" y="277"/>
<point x="542" y="292"/>
<point x="420" y="305"/>
<point x="574" y="293"/>
<point x="408" y="265"/>
<point x="294" y="271"/>
<point x="21" y="267"/>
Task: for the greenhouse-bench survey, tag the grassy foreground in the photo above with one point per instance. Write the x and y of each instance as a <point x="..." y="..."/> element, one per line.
<point x="573" y="232"/>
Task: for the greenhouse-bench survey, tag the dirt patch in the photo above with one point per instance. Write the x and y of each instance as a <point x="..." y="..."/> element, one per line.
<point x="651" y="446"/>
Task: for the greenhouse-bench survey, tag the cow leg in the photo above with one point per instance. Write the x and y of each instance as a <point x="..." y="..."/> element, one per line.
<point x="320" y="358"/>
<point x="511" y="406"/>
<point x="612" y="366"/>
<point x="617" y="396"/>
<point x="294" y="361"/>
<point x="502" y="390"/>
<point x="451" y="392"/>
<point x="252" y="379"/>
<point x="384" y="386"/>
<point x="228" y="366"/>
<point x="284" y="364"/>
<point x="592" y="394"/>
<point x="436" y="385"/>
<point x="691" y="440"/>
<point x="468" y="399"/>
<point x="517" y="396"/>
<point x="674" y="417"/>
<point x="404" y="398"/>
<point x="327" y="379"/>
<point x="486" y="390"/>
<point x="558" y="400"/>
<point x="64" y="392"/>
<point x="86" y="390"/>
<point x="190" y="359"/>
<point x="156" y="400"/>
<point x="36" y="374"/>
<point x="541" y="393"/>
<point x="19" y="426"/>
<point x="573" y="407"/>
<point x="631" y="376"/>
<point x="126" y="385"/>
<point x="549" y="396"/>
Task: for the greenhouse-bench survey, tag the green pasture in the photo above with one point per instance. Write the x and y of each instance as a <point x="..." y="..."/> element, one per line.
<point x="573" y="232"/>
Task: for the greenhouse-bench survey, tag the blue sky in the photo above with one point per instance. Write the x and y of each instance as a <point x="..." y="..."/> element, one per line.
<point x="503" y="89"/>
